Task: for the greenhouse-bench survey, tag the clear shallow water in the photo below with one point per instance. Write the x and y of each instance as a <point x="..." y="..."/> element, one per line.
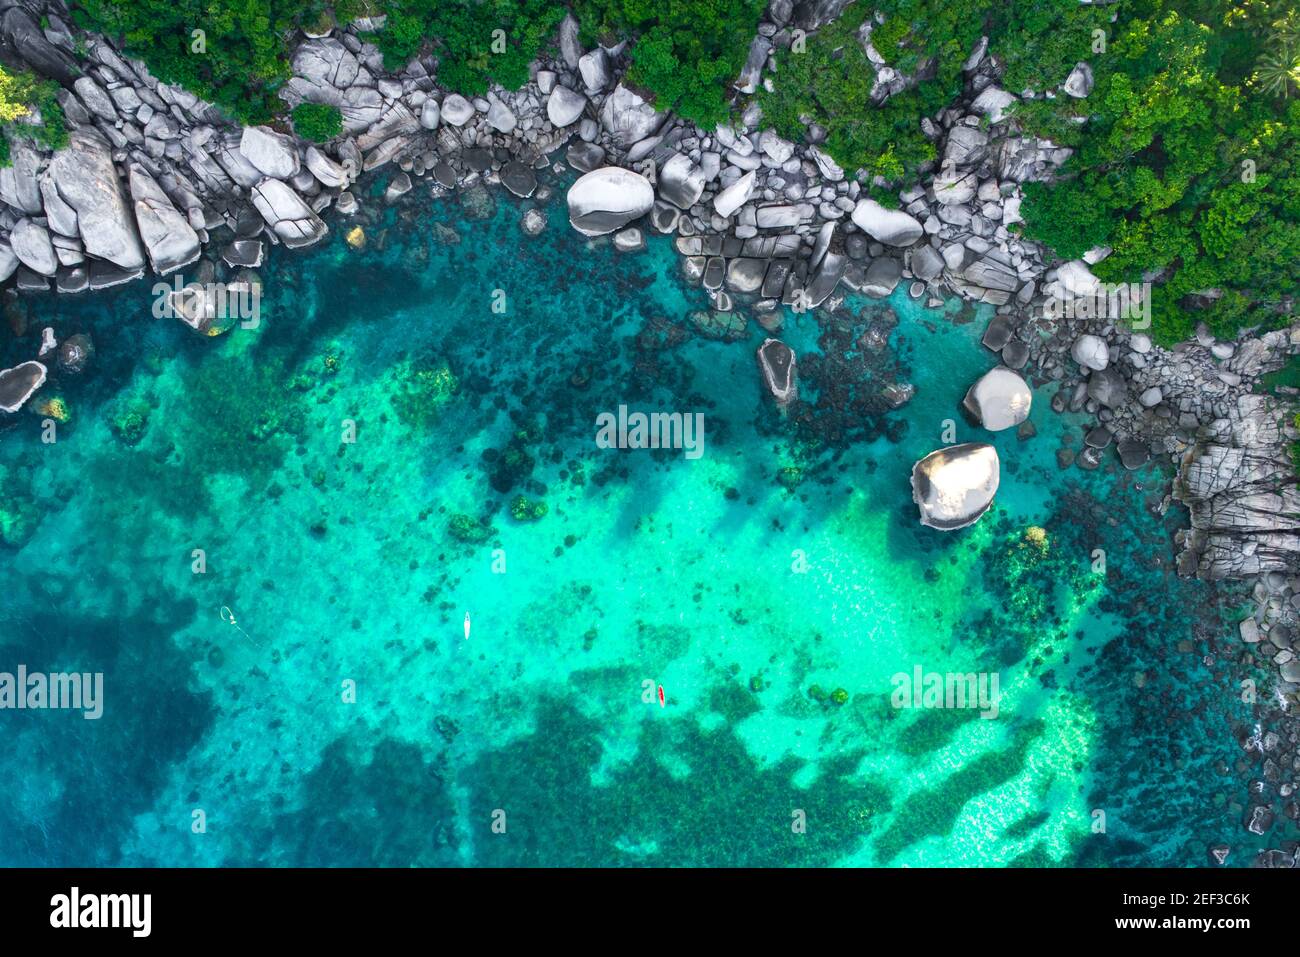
<point x="347" y="562"/>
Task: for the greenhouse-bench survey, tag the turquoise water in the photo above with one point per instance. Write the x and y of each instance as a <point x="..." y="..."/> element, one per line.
<point x="772" y="587"/>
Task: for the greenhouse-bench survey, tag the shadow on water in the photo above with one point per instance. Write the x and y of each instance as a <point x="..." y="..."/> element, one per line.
<point x="89" y="778"/>
<point x="728" y="810"/>
<point x="367" y="804"/>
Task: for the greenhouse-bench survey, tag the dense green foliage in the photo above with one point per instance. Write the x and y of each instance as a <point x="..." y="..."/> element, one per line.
<point x="317" y="122"/>
<point x="1039" y="43"/>
<point x="24" y="98"/>
<point x="1188" y="166"/>
<point x="238" y="60"/>
<point x="241" y="57"/>
<point x="1188" y="156"/>
<point x="687" y="52"/>
<point x="687" y="55"/>
<point x="471" y="51"/>
<point x="829" y="81"/>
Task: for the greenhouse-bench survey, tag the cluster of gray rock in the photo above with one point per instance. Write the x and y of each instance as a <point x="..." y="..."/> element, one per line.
<point x="149" y="172"/>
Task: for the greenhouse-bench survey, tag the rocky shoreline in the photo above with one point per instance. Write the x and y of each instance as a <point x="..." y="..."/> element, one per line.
<point x="155" y="180"/>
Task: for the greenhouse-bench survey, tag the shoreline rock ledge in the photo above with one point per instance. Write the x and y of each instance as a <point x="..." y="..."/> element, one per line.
<point x="953" y="487"/>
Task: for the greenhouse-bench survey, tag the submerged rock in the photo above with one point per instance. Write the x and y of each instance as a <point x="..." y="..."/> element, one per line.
<point x="882" y="277"/>
<point x="607" y="199"/>
<point x="533" y="222"/>
<point x="244" y="253"/>
<point x="398" y="187"/>
<point x="75" y="352"/>
<point x="953" y="487"/>
<point x="585" y="157"/>
<point x="629" y="240"/>
<point x="519" y="179"/>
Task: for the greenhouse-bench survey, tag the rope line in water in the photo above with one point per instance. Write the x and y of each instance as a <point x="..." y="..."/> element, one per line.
<point x="228" y="617"/>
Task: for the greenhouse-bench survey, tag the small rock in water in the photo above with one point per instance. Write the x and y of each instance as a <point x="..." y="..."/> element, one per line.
<point x="19" y="383"/>
<point x="400" y="186"/>
<point x="777" y="362"/>
<point x="519" y="179"/>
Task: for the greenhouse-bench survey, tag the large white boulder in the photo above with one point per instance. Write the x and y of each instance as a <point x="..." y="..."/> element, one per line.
<point x="952" y="187"/>
<point x="270" y="153"/>
<point x="499" y="116"/>
<point x="953" y="487"/>
<point x="595" y="70"/>
<point x="95" y="99"/>
<point x="1000" y="399"/>
<point x="1080" y="81"/>
<point x="8" y="260"/>
<point x="456" y="110"/>
<point x="681" y="182"/>
<point x="890" y="226"/>
<point x="607" y="199"/>
<point x="1091" y="352"/>
<point x="565" y="106"/>
<point x="734" y="196"/>
<point x="993" y="103"/>
<point x="628" y="117"/>
<point x="87" y="181"/>
<point x="168" y="237"/>
<point x="1072" y="280"/>
<point x="328" y="172"/>
<point x="32" y="245"/>
<point x="327" y="60"/>
<point x="430" y="114"/>
<point x="287" y="214"/>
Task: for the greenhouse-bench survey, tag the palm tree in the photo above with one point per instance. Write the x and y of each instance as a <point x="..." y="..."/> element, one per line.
<point x="1278" y="69"/>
